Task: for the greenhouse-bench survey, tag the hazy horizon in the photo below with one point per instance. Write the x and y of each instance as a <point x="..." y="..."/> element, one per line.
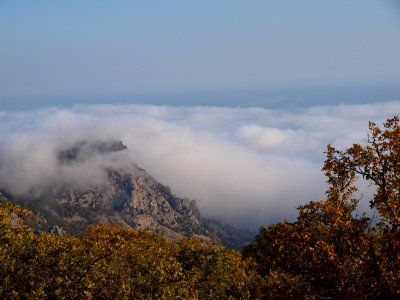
<point x="225" y="53"/>
<point x="294" y="98"/>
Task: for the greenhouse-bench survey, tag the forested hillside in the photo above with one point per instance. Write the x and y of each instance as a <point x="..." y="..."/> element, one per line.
<point x="111" y="262"/>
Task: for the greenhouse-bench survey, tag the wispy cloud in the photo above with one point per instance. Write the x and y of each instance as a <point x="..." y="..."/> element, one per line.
<point x="251" y="166"/>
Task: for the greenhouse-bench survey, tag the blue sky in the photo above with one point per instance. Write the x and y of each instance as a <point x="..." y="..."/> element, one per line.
<point x="234" y="53"/>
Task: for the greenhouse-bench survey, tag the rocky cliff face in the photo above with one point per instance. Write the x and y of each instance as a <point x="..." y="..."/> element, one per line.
<point x="129" y="197"/>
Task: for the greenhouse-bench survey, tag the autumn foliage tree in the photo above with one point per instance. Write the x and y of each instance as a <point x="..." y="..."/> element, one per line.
<point x="330" y="251"/>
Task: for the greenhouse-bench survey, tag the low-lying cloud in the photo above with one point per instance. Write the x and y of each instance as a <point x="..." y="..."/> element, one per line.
<point x="250" y="166"/>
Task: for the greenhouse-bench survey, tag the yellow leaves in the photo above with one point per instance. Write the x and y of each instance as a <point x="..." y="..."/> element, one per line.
<point x="114" y="262"/>
<point x="379" y="163"/>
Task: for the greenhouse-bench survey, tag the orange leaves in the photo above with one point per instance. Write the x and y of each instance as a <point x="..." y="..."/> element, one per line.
<point x="319" y="252"/>
<point x="378" y="162"/>
<point x="328" y="251"/>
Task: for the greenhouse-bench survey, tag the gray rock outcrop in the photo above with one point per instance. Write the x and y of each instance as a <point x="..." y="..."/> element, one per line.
<point x="129" y="197"/>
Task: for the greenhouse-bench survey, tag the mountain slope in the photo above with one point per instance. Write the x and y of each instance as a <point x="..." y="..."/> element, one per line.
<point x="128" y="196"/>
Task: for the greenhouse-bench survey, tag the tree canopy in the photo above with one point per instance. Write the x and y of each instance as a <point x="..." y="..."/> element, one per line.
<point x="330" y="250"/>
<point x="111" y="262"/>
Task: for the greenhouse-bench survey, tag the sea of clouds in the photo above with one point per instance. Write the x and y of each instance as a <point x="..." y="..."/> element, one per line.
<point x="249" y="166"/>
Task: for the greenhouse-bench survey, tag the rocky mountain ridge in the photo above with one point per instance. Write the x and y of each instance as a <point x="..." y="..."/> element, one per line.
<point x="129" y="197"/>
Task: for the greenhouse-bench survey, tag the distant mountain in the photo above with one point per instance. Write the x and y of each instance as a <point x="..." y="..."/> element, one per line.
<point x="129" y="197"/>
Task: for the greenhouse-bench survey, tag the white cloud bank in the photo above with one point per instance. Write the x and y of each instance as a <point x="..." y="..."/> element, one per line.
<point x="251" y="166"/>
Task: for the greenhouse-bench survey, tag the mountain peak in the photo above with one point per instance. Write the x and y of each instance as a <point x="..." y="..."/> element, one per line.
<point x="85" y="149"/>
